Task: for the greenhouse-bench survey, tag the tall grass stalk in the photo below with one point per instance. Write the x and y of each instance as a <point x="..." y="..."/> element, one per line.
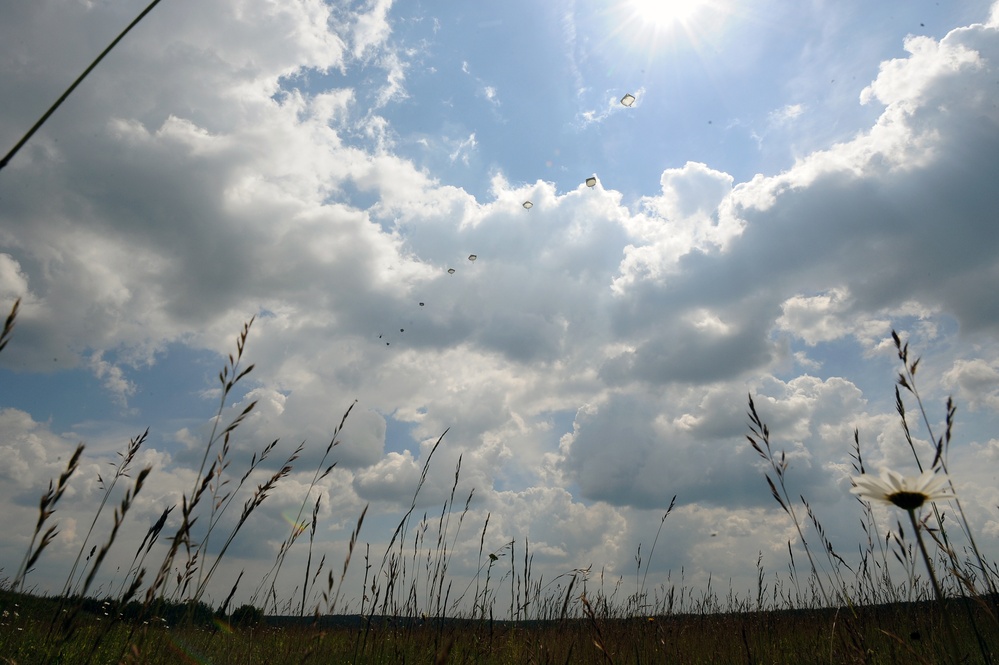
<point x="640" y="596"/>
<point x="390" y="558"/>
<point x="907" y="379"/>
<point x="8" y="324"/>
<point x="46" y="508"/>
<point x="298" y="527"/>
<point x="759" y="438"/>
<point x="121" y="471"/>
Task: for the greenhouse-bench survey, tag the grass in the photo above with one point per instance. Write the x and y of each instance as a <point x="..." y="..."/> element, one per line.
<point x="909" y="598"/>
<point x="897" y="633"/>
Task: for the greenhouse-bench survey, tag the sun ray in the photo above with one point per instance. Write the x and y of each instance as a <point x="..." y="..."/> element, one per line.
<point x="666" y="14"/>
<point x="679" y="25"/>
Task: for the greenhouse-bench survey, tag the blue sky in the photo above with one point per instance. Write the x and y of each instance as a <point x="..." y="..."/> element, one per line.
<point x="791" y="183"/>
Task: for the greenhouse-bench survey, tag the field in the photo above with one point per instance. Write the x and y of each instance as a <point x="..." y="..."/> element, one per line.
<point x="900" y="633"/>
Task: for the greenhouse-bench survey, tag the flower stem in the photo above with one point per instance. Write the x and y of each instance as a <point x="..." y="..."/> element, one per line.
<point x="955" y="652"/>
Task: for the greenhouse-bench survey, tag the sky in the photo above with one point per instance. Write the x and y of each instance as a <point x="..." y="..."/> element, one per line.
<point x="792" y="182"/>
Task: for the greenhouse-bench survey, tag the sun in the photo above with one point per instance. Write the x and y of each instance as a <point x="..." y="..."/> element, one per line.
<point x="649" y="25"/>
<point x="665" y="14"/>
<point x="649" y="28"/>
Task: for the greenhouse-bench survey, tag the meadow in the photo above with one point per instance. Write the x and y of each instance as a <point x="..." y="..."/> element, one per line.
<point x="943" y="609"/>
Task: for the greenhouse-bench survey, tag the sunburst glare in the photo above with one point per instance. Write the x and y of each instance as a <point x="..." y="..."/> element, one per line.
<point x="647" y="23"/>
<point x="665" y="13"/>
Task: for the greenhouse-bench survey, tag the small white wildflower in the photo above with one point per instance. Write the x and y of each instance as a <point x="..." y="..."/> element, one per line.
<point x="906" y="493"/>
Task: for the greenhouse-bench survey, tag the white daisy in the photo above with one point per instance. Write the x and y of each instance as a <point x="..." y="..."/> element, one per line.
<point x="906" y="493"/>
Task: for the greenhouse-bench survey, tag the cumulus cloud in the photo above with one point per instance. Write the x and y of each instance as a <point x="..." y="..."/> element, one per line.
<point x="977" y="382"/>
<point x="27" y="446"/>
<point x="113" y="379"/>
<point x="12" y="280"/>
<point x="826" y="317"/>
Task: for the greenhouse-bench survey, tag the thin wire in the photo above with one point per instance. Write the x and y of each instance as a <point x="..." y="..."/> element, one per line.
<point x="70" y="89"/>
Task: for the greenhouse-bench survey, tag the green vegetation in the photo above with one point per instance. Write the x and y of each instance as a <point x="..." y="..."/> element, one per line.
<point x="412" y="610"/>
<point x="897" y="633"/>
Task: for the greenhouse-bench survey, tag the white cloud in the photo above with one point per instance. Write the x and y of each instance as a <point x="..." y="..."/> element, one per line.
<point x="903" y="82"/>
<point x="371" y="28"/>
<point x="27" y="446"/>
<point x="113" y="378"/>
<point x="394" y="89"/>
<point x="464" y="149"/>
<point x="977" y="382"/>
<point x="827" y="317"/>
<point x="393" y="479"/>
<point x="687" y="217"/>
<point x="13" y="282"/>
<point x="786" y="114"/>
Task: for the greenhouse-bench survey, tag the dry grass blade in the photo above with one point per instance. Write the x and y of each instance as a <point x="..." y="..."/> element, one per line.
<point x="940" y="459"/>
<point x="8" y="326"/>
<point x="119" y="517"/>
<point x="231" y="369"/>
<point x="297" y="528"/>
<point x="776" y="495"/>
<point x="405" y="519"/>
<point x="858" y="460"/>
<point x="598" y="637"/>
<point x="652" y="551"/>
<point x="331" y="604"/>
<point x="232" y="592"/>
<point x="759" y="429"/>
<point x="306" y="586"/>
<point x="121" y="471"/>
<point x="69" y="619"/>
<point x="46" y="508"/>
